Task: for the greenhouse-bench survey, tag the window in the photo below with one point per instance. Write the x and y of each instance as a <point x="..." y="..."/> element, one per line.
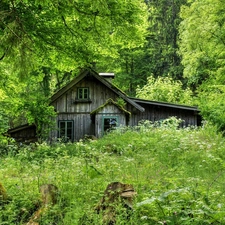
<point x="109" y="123"/>
<point x="66" y="130"/>
<point x="83" y="93"/>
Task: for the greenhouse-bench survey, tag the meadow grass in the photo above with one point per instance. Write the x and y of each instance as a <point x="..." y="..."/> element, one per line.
<point x="179" y="175"/>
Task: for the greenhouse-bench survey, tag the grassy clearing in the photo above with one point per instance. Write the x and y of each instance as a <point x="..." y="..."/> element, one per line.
<point x="179" y="175"/>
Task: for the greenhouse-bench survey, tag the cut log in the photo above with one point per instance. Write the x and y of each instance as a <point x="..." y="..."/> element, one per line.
<point x="116" y="193"/>
<point x="49" y="196"/>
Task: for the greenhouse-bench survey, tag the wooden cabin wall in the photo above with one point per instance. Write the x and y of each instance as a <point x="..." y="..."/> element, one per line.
<point x="156" y="113"/>
<point x="70" y="109"/>
<point x="107" y="112"/>
<point x="79" y="112"/>
<point x="99" y="122"/>
<point x="98" y="93"/>
<point x="25" y="135"/>
<point x="82" y="125"/>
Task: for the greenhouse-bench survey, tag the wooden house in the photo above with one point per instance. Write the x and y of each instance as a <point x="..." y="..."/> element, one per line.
<point x="90" y="105"/>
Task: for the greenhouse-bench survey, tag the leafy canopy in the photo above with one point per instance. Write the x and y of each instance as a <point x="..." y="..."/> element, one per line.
<point x="43" y="41"/>
<point x="67" y="34"/>
<point x="159" y="54"/>
<point x="202" y="33"/>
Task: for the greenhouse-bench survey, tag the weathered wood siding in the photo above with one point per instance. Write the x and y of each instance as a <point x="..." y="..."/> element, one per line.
<point x="87" y="115"/>
<point x="156" y="113"/>
<point x="69" y="108"/>
<point x="82" y="125"/>
<point x="26" y="134"/>
<point x="79" y="112"/>
<point x="98" y="94"/>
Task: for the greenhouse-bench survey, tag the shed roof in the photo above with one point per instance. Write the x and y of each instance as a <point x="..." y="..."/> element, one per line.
<point x="21" y="127"/>
<point x="165" y="104"/>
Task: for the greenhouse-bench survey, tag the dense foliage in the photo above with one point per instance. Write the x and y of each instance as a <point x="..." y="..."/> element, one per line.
<point x="202" y="49"/>
<point x="165" y="89"/>
<point x="202" y="45"/>
<point x="159" y="54"/>
<point x="178" y="181"/>
<point x="47" y="42"/>
<point x="165" y="48"/>
<point x="65" y="35"/>
<point x="211" y="102"/>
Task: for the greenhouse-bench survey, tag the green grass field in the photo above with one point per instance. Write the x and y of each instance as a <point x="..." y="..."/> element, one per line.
<point x="178" y="174"/>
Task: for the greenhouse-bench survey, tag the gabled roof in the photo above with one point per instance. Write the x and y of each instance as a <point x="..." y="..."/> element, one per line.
<point x="64" y="89"/>
<point x="90" y="72"/>
<point x="108" y="102"/>
<point x="165" y="104"/>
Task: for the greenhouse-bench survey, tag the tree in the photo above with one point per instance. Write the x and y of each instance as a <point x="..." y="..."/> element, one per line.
<point x="25" y="102"/>
<point x="67" y="34"/>
<point x="202" y="46"/>
<point x="129" y="69"/>
<point x="3" y="125"/>
<point x="162" y="38"/>
<point x="165" y="89"/>
<point x="159" y="55"/>
<point x="202" y="33"/>
<point x="39" y="113"/>
<point x="212" y="103"/>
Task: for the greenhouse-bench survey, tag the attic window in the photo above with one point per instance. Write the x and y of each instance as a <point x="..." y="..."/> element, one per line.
<point x="83" y="94"/>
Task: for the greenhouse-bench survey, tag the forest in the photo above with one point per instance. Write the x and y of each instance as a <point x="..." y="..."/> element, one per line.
<point x="161" y="50"/>
<point x="164" y="50"/>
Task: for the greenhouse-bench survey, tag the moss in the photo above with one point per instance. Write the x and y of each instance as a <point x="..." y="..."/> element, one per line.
<point x="110" y="101"/>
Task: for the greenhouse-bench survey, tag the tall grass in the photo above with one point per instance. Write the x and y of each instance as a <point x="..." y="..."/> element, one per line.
<point x="179" y="175"/>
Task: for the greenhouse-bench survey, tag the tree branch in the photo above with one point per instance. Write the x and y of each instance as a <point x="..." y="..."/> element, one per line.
<point x="2" y="57"/>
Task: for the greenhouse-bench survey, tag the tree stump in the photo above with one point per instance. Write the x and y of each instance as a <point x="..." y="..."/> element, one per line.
<point x="49" y="195"/>
<point x="116" y="194"/>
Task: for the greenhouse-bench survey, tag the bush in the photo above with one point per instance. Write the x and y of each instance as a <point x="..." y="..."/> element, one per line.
<point x="212" y="104"/>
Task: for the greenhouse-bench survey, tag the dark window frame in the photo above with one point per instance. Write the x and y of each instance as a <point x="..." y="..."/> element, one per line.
<point x="81" y="95"/>
<point x="65" y="137"/>
<point x="112" y="126"/>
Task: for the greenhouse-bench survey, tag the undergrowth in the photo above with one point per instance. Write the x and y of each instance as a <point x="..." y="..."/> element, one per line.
<point x="178" y="174"/>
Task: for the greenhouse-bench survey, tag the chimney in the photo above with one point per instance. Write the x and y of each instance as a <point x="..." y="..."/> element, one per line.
<point x="107" y="76"/>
